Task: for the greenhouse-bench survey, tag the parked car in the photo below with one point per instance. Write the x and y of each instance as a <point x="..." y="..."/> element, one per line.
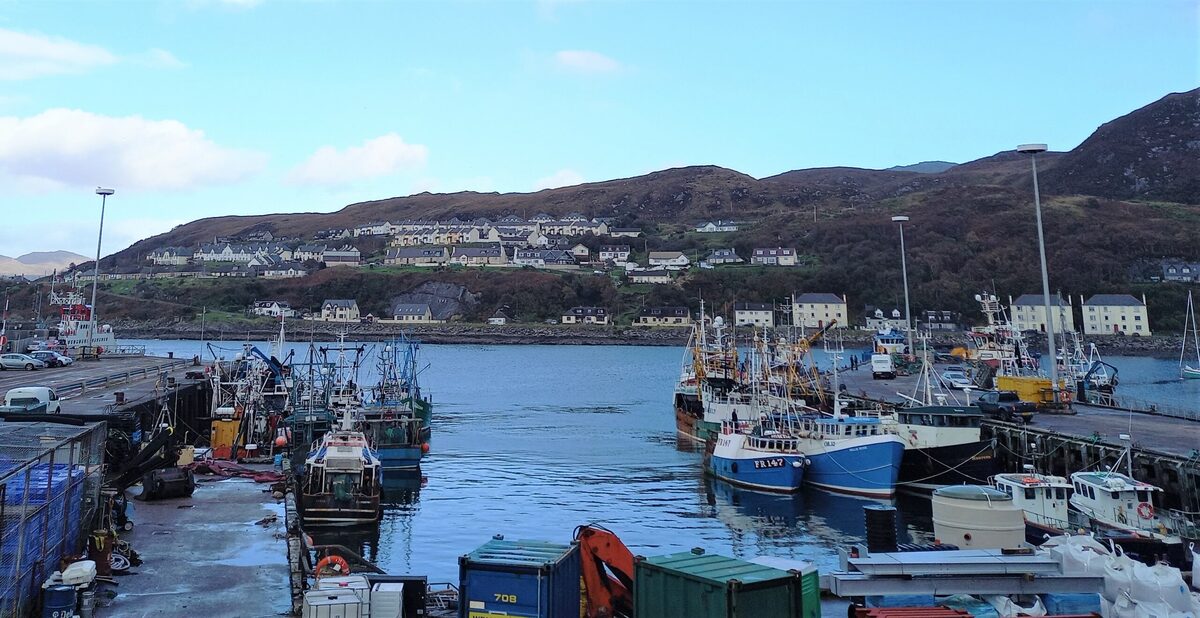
<point x="1006" y="406"/>
<point x="52" y="358"/>
<point x="32" y="396"/>
<point x="20" y="361"/>
<point x="956" y="377"/>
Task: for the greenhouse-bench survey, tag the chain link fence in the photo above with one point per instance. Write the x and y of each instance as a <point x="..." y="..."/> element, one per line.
<point x="50" y="478"/>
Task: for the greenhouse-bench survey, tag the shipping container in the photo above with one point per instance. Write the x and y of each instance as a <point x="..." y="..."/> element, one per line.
<point x="527" y="579"/>
<point x="699" y="585"/>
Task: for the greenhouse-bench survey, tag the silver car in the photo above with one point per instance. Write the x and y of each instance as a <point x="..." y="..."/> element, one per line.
<point x="20" y="361"/>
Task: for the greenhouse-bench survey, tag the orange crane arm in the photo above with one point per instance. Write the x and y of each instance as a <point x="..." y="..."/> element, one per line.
<point x="607" y="572"/>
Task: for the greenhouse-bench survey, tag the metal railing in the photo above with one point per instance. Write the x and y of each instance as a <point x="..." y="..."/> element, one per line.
<point x="1141" y="406"/>
<point x="78" y="388"/>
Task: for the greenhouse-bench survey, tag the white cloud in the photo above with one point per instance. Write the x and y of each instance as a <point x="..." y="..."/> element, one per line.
<point x="159" y="59"/>
<point x="561" y="178"/>
<point x="25" y="56"/>
<point x="73" y="148"/>
<point x="380" y="156"/>
<point x="582" y="61"/>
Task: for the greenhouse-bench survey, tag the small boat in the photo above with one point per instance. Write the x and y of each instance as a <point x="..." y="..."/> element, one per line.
<point x="758" y="456"/>
<point x="342" y="480"/>
<point x="1189" y="372"/>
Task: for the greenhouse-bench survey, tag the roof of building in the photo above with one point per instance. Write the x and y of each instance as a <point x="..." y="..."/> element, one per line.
<point x="268" y="303"/>
<point x="311" y="248"/>
<point x="478" y="251"/>
<point x="416" y="252"/>
<point x="666" y="255"/>
<point x="1114" y="300"/>
<point x="723" y="253"/>
<point x="586" y="311"/>
<point x="1037" y="300"/>
<point x="410" y="309"/>
<point x="666" y="312"/>
<point x="340" y="302"/>
<point x="819" y="297"/>
<point x="765" y="251"/>
<point x="614" y="248"/>
<point x="658" y="272"/>
<point x="753" y="307"/>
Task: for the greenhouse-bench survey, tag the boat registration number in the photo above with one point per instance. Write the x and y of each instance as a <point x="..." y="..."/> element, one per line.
<point x="775" y="462"/>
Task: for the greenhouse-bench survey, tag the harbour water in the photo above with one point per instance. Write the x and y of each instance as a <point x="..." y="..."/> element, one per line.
<point x="530" y="441"/>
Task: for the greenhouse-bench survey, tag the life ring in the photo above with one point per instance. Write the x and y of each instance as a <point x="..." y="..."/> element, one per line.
<point x="912" y="437"/>
<point x="334" y="561"/>
<point x="1145" y="510"/>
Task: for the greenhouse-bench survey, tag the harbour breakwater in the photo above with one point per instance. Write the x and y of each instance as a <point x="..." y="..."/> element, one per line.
<point x="1163" y="346"/>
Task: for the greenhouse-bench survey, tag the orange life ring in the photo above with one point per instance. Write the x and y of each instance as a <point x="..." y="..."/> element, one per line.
<point x="338" y="564"/>
<point x="1145" y="510"/>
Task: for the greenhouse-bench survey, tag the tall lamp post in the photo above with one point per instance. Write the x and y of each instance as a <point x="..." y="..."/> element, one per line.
<point x="902" y="219"/>
<point x="1032" y="150"/>
<point x="103" y="193"/>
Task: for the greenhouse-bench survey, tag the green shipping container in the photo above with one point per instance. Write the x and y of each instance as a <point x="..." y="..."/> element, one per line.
<point x="699" y="585"/>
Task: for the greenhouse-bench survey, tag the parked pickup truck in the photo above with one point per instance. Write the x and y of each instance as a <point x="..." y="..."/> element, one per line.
<point x="1006" y="406"/>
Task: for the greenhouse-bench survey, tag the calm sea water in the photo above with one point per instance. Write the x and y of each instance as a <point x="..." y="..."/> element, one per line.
<point x="531" y="441"/>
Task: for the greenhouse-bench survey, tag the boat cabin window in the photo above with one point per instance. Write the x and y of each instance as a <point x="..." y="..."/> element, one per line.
<point x="1049" y="493"/>
<point x="1143" y="495"/>
<point x="1091" y="493"/>
<point x="1030" y="493"/>
<point x="1060" y="493"/>
<point x="1116" y="495"/>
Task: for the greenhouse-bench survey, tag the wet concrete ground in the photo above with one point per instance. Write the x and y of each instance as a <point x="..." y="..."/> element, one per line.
<point x="205" y="556"/>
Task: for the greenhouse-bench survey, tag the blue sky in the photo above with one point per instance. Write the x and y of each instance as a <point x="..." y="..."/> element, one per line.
<point x="199" y="108"/>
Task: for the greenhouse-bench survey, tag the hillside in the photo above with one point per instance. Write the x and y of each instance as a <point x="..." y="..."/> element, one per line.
<point x="924" y="167"/>
<point x="1150" y="154"/>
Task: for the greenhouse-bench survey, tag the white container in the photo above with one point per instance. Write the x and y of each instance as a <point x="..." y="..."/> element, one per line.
<point x="351" y="583"/>
<point x="387" y="600"/>
<point x="79" y="573"/>
<point x="332" y="604"/>
<point x="977" y="517"/>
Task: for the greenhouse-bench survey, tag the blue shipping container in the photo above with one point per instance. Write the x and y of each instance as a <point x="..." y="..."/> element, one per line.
<point x="527" y="579"/>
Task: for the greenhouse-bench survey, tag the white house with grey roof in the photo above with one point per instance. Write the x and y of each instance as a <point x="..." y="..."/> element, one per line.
<point x="414" y="313"/>
<point x="339" y="310"/>
<point x="723" y="256"/>
<point x="673" y="260"/>
<point x="819" y="309"/>
<point x="417" y="256"/>
<point x="1028" y="312"/>
<point x="774" y="256"/>
<point x="1115" y="314"/>
<point x="170" y="256"/>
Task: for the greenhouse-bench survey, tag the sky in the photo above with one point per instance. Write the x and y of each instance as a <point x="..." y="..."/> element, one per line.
<point x="196" y="108"/>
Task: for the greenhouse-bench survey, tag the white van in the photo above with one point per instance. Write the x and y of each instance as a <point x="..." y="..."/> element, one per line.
<point x="882" y="367"/>
<point x="32" y="395"/>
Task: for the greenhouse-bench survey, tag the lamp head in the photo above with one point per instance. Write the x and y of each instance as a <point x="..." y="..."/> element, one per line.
<point x="1031" y="148"/>
<point x="900" y="218"/>
<point x="104" y="191"/>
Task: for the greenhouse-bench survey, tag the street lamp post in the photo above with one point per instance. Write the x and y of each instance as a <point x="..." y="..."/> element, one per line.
<point x="103" y="193"/>
<point x="902" y="219"/>
<point x="1032" y="150"/>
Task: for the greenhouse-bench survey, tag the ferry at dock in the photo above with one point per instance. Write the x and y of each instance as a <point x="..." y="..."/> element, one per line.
<point x="76" y="333"/>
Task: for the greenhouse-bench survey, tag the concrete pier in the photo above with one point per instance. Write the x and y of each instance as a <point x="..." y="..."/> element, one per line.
<point x="206" y="555"/>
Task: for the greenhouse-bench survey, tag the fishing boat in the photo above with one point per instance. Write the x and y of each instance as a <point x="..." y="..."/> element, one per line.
<point x="342" y="480"/>
<point x="309" y="415"/>
<point x="710" y="390"/>
<point x="395" y="417"/>
<point x="1186" y="371"/>
<point x="759" y="456"/>
<point x="854" y="455"/>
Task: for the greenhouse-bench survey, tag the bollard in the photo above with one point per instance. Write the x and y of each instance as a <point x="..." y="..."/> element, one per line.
<point x="170" y="355"/>
<point x="120" y="395"/>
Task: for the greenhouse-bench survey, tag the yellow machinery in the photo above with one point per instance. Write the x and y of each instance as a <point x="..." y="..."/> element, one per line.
<point x="224" y="435"/>
<point x="1036" y="390"/>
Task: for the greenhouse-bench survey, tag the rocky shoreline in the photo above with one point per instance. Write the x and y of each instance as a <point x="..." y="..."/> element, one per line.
<point x="1164" y="346"/>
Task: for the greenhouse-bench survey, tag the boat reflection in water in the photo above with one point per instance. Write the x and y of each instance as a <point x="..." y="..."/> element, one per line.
<point x="400" y="502"/>
<point x="812" y="522"/>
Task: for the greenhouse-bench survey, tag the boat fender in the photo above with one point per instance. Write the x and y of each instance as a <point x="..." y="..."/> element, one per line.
<point x="425" y="447"/>
<point x="912" y="437"/>
<point x="1145" y="510"/>
<point x="333" y="561"/>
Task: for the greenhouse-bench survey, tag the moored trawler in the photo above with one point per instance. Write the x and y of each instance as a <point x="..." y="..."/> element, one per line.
<point x="758" y="457"/>
<point x="342" y="480"/>
<point x="396" y="417"/>
<point x="74" y="333"/>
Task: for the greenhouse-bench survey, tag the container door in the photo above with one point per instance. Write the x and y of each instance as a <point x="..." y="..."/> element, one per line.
<point x="499" y="594"/>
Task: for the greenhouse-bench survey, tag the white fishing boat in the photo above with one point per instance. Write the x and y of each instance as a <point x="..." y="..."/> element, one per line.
<point x="342" y="481"/>
<point x="1188" y="371"/>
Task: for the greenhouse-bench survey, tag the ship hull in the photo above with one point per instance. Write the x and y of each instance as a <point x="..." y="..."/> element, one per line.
<point x="927" y="469"/>
<point x="860" y="468"/>
<point x="735" y="461"/>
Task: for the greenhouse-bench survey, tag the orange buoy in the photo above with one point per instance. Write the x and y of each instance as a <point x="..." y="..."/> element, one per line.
<point x="424" y="447"/>
<point x="280" y="442"/>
